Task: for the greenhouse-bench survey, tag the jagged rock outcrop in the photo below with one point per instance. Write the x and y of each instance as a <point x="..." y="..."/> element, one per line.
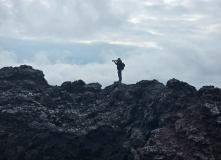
<point x="78" y="121"/>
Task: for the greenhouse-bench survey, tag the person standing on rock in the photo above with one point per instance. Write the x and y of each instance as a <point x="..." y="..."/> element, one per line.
<point x="120" y="67"/>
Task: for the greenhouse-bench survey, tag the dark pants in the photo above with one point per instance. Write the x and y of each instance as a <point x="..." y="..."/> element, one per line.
<point x="120" y="75"/>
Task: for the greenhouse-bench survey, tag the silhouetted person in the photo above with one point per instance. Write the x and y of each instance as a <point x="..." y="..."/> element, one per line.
<point x="119" y="64"/>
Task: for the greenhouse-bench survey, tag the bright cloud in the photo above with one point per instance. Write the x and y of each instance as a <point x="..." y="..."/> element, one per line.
<point x="7" y="58"/>
<point x="75" y="39"/>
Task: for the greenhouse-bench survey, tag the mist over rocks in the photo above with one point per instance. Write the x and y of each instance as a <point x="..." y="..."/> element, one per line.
<point x="78" y="121"/>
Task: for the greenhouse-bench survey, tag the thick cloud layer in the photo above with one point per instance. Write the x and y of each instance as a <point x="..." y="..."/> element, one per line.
<point x="75" y="39"/>
<point x="67" y="19"/>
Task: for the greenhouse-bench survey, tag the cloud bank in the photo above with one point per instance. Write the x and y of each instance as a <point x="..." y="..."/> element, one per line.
<point x="74" y="39"/>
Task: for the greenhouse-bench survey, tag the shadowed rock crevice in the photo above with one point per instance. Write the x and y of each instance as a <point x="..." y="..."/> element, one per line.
<point x="142" y="121"/>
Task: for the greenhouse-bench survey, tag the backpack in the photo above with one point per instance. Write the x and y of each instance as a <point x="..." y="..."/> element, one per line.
<point x="122" y="66"/>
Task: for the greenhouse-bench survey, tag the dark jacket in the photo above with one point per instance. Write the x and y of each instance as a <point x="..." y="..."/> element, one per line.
<point x="119" y="65"/>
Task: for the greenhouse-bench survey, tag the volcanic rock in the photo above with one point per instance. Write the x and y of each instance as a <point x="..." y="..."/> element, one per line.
<point x="78" y="121"/>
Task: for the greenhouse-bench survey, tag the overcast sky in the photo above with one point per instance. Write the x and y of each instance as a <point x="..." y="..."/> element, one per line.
<point x="77" y="39"/>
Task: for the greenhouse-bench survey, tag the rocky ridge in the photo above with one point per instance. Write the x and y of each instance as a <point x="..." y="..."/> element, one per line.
<point x="77" y="121"/>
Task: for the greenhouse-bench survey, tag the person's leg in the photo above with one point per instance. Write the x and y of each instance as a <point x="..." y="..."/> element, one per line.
<point x="120" y="75"/>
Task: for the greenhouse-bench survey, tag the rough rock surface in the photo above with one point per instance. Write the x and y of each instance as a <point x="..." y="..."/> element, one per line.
<point x="78" y="121"/>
